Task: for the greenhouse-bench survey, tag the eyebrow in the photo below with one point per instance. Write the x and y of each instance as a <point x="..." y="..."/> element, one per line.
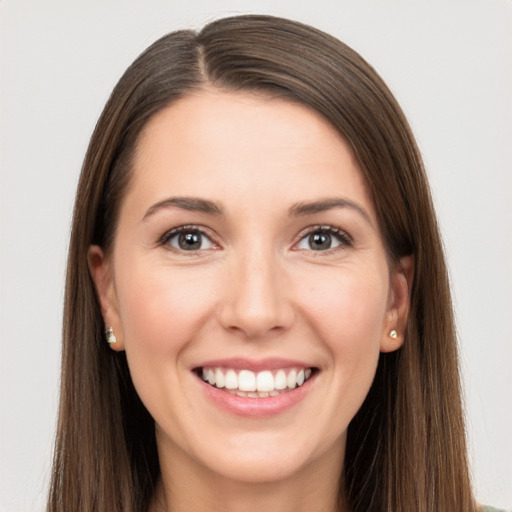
<point x="193" y="204"/>
<point x="323" y="205"/>
<point x="196" y="204"/>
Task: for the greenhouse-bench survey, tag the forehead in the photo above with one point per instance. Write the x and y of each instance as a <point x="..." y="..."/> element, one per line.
<point x="238" y="145"/>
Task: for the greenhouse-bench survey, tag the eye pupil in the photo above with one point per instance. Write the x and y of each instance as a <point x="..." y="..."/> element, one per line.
<point x="189" y="241"/>
<point x="320" y="241"/>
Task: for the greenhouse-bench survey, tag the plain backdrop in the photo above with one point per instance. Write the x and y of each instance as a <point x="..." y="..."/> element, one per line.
<point x="449" y="64"/>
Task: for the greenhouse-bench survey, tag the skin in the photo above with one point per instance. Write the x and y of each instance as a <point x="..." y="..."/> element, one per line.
<point x="255" y="289"/>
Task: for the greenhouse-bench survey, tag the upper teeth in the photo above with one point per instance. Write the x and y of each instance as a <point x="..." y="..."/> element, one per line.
<point x="247" y="381"/>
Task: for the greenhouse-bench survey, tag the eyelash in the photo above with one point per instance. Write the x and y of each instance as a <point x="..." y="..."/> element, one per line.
<point x="169" y="235"/>
<point x="344" y="239"/>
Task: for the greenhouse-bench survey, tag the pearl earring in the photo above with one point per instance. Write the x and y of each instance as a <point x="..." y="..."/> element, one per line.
<point x="393" y="334"/>
<point x="111" y="337"/>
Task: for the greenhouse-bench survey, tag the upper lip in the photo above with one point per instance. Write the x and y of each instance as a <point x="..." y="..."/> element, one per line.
<point x="255" y="365"/>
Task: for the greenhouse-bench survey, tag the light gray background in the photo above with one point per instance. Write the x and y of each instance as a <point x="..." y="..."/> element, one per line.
<point x="449" y="64"/>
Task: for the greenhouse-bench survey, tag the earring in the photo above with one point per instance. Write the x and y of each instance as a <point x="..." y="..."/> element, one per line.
<point x="393" y="334"/>
<point x="111" y="337"/>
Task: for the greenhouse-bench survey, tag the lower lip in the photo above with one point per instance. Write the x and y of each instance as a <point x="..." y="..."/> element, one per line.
<point x="256" y="407"/>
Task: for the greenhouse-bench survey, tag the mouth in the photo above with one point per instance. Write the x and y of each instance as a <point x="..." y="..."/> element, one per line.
<point x="250" y="384"/>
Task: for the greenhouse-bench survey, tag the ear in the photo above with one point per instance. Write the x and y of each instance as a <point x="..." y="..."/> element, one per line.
<point x="398" y="304"/>
<point x="100" y="268"/>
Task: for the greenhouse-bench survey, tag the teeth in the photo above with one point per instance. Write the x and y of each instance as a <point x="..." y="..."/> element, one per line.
<point x="265" y="381"/>
<point x="292" y="379"/>
<point x="280" y="380"/>
<point x="256" y="385"/>
<point x="253" y="395"/>
<point x="246" y="381"/>
<point x="231" y="380"/>
<point x="220" y="381"/>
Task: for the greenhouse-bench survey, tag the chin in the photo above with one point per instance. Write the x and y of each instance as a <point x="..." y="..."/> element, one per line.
<point x="258" y="469"/>
<point x="267" y="457"/>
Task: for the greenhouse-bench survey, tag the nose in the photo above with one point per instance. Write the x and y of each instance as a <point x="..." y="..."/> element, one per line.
<point x="254" y="302"/>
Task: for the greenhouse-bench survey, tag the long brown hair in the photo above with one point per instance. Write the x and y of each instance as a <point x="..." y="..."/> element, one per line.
<point x="406" y="446"/>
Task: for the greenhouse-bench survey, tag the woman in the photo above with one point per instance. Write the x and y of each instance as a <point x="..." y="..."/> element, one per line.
<point x="257" y="307"/>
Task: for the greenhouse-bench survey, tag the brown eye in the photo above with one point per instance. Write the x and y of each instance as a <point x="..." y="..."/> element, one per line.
<point x="190" y="241"/>
<point x="320" y="241"/>
<point x="324" y="238"/>
<point x="186" y="239"/>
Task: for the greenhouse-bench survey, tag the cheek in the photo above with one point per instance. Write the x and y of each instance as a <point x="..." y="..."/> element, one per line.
<point x="161" y="307"/>
<point x="161" y="311"/>
<point x="347" y="313"/>
<point x="348" y="316"/>
<point x="349" y="309"/>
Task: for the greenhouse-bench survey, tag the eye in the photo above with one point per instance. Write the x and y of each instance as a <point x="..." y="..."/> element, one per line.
<point x="186" y="238"/>
<point x="324" y="238"/>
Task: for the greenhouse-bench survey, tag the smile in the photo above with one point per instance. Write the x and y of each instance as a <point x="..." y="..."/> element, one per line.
<point x="263" y="384"/>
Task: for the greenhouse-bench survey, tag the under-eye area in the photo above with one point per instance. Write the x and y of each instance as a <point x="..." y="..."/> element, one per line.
<point x="262" y="384"/>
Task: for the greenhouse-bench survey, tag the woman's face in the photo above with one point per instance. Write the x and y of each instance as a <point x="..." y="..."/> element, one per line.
<point x="248" y="254"/>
